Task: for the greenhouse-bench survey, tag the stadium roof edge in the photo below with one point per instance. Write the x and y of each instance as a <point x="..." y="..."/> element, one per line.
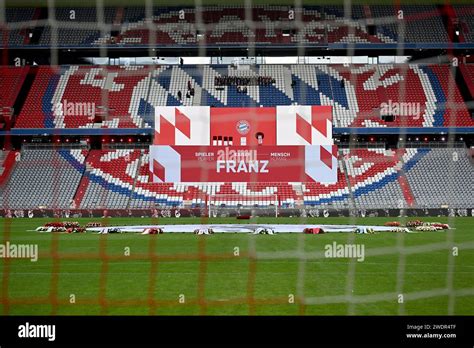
<point x="149" y="131"/>
<point x="331" y="46"/>
<point x="166" y="3"/>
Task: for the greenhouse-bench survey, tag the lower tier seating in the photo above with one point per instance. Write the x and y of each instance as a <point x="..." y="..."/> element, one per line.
<point x="44" y="178"/>
<point x="118" y="179"/>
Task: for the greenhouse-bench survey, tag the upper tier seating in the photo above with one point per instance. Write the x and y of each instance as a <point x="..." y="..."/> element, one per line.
<point x="321" y="24"/>
<point x="421" y="24"/>
<point x="87" y="33"/>
<point x="118" y="179"/>
<point x="228" y="25"/>
<point x="466" y="21"/>
<point x="17" y="33"/>
<point x="125" y="97"/>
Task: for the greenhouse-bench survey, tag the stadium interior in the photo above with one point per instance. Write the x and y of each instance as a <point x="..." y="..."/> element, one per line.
<point x="267" y="56"/>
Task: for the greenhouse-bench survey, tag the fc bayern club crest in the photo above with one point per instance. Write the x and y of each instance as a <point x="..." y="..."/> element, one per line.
<point x="243" y="127"/>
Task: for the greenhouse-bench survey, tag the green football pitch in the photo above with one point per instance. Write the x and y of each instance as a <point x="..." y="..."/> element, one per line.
<point x="429" y="273"/>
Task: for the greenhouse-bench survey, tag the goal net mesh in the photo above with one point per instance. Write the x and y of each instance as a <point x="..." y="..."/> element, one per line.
<point x="409" y="276"/>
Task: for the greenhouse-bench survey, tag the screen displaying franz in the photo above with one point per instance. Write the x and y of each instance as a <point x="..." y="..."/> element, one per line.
<point x="312" y="163"/>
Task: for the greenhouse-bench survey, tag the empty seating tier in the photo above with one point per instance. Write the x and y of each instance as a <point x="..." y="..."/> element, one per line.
<point x="361" y="95"/>
<point x="119" y="179"/>
<point x="230" y="25"/>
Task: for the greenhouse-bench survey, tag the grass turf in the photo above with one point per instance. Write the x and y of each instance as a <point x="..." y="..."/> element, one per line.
<point x="213" y="281"/>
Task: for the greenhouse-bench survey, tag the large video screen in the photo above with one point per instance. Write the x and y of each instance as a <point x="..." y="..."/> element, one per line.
<point x="312" y="163"/>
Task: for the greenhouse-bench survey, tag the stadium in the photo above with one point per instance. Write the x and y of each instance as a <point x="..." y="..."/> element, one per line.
<point x="243" y="159"/>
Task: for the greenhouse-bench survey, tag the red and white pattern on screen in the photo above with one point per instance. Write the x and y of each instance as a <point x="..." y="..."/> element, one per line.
<point x="182" y="125"/>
